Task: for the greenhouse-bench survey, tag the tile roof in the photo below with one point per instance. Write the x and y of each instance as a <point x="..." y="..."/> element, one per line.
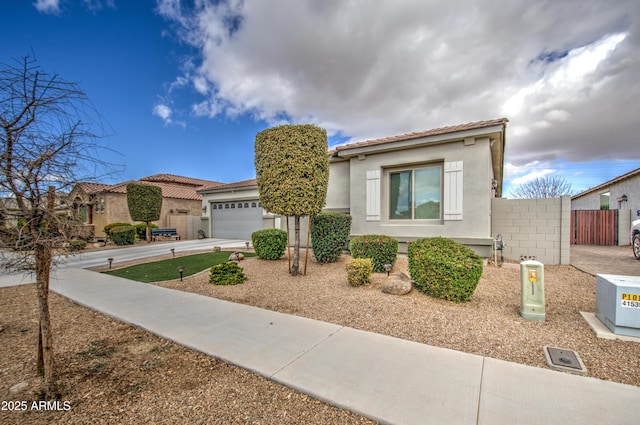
<point x="416" y="135"/>
<point x="234" y="185"/>
<point x="169" y="190"/>
<point x="172" y="178"/>
<point x="173" y="186"/>
<point x="90" y="188"/>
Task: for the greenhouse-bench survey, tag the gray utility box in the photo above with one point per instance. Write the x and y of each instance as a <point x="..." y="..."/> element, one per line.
<point x="618" y="303"/>
<point x="532" y="290"/>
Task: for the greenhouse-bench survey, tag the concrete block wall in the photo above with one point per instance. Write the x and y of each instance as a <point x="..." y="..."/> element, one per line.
<point x="533" y="228"/>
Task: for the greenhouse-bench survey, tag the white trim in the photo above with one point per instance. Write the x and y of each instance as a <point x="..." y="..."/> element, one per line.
<point x="373" y="195"/>
<point x="453" y="190"/>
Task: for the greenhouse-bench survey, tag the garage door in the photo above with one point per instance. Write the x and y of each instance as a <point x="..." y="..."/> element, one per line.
<point x="236" y="220"/>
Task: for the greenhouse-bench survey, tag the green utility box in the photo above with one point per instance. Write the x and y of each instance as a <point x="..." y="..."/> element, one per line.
<point x="532" y="298"/>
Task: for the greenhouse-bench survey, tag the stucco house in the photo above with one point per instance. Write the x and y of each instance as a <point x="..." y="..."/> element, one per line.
<point x="438" y="182"/>
<point x="621" y="193"/>
<point x="100" y="204"/>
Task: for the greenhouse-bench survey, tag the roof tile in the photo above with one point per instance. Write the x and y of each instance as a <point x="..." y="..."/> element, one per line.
<point x="419" y="134"/>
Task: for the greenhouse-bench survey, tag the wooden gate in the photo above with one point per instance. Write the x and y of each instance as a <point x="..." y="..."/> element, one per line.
<point x="594" y="227"/>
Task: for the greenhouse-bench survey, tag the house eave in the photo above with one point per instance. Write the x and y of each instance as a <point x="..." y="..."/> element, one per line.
<point x="347" y="153"/>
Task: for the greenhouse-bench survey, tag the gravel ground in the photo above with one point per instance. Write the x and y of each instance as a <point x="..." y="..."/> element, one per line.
<point x="489" y="325"/>
<point x="114" y="373"/>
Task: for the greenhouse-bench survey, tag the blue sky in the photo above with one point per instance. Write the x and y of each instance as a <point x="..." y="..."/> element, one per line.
<point x="185" y="86"/>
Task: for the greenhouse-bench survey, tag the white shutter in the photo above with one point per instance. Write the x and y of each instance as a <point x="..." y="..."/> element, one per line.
<point x="373" y="195"/>
<point x="453" y="190"/>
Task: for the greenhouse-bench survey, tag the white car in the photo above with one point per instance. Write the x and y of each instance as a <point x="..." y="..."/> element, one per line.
<point x="635" y="238"/>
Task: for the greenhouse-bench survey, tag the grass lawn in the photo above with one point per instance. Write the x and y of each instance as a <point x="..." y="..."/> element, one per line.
<point x="168" y="269"/>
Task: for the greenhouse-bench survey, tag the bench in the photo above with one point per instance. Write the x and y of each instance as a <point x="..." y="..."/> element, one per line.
<point x="165" y="233"/>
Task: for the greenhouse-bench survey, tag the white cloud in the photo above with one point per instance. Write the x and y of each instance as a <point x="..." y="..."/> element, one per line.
<point x="48" y="6"/>
<point x="163" y="111"/>
<point x="570" y="91"/>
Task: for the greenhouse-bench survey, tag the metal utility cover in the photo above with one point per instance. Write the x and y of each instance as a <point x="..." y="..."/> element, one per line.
<point x="564" y="360"/>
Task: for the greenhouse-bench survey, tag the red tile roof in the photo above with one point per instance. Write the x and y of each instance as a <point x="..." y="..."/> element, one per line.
<point x="91" y="188"/>
<point x="420" y="134"/>
<point x="172" y="178"/>
<point x="177" y="187"/>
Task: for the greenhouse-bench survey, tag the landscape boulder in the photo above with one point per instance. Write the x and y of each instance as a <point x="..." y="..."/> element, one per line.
<point x="397" y="284"/>
<point x="236" y="256"/>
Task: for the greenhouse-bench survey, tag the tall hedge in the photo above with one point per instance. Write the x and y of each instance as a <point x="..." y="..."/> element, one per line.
<point x="292" y="169"/>
<point x="329" y="236"/>
<point x="292" y="172"/>
<point x="144" y="202"/>
<point x="443" y="268"/>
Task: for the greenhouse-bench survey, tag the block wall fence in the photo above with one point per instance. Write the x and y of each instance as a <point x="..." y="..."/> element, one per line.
<point x="533" y="228"/>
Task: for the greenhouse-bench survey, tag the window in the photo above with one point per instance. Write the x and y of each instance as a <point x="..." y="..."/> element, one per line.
<point x="605" y="198"/>
<point x="240" y="205"/>
<point x="253" y="205"/>
<point x="246" y="205"/>
<point x="415" y="194"/>
<point x="226" y="206"/>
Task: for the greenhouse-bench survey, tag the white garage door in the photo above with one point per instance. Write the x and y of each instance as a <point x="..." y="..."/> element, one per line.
<point x="236" y="220"/>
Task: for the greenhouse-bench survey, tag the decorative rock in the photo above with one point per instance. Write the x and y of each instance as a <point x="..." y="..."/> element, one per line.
<point x="236" y="256"/>
<point x="397" y="284"/>
<point x="215" y="249"/>
<point x="18" y="388"/>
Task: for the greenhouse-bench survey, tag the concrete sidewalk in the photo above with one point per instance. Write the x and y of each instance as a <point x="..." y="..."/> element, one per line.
<point x="387" y="379"/>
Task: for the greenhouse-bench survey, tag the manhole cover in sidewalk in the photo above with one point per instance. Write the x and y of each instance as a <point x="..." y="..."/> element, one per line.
<point x="564" y="360"/>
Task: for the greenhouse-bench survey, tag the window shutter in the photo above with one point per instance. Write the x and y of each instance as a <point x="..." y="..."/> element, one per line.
<point x="453" y="190"/>
<point x="373" y="195"/>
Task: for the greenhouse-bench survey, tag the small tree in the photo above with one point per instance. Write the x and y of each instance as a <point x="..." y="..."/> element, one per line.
<point x="543" y="187"/>
<point x="46" y="147"/>
<point x="144" y="202"/>
<point x="292" y="170"/>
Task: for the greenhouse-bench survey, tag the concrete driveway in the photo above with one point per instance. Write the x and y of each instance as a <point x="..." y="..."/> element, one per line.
<point x="595" y="259"/>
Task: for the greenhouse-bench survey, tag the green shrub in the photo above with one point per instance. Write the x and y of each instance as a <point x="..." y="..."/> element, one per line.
<point x="141" y="230"/>
<point x="76" y="245"/>
<point x="109" y="227"/>
<point x="228" y="273"/>
<point x="380" y="248"/>
<point x="359" y="271"/>
<point x="329" y="236"/>
<point x="443" y="268"/>
<point x="123" y="235"/>
<point x="269" y="243"/>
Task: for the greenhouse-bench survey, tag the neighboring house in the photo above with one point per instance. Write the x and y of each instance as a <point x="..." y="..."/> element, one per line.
<point x="432" y="183"/>
<point x="621" y="193"/>
<point x="101" y="204"/>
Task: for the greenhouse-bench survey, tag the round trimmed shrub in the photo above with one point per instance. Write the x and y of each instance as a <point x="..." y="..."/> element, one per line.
<point x="443" y="268"/>
<point x="329" y="236"/>
<point x="228" y="273"/>
<point x="109" y="227"/>
<point x="359" y="271"/>
<point x="380" y="248"/>
<point x="123" y="235"/>
<point x="269" y="244"/>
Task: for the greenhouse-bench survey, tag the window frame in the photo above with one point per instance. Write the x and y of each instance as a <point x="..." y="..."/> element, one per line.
<point x="386" y="201"/>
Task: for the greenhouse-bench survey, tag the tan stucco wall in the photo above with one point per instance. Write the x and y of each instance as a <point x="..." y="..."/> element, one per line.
<point x="173" y="214"/>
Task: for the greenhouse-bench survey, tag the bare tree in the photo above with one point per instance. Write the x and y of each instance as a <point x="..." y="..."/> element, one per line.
<point x="48" y="145"/>
<point x="543" y="187"/>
